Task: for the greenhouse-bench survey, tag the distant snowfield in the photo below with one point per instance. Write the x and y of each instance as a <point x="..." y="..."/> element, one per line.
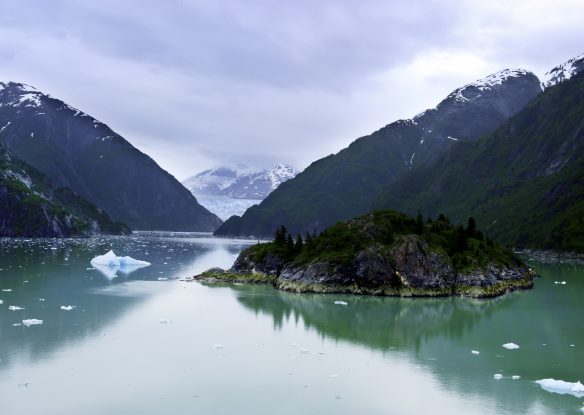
<point x="225" y="207"/>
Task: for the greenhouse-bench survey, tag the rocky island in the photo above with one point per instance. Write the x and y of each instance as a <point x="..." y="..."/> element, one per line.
<point x="383" y="253"/>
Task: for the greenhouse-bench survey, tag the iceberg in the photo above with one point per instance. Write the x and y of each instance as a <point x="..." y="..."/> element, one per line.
<point x="561" y="387"/>
<point x="498" y="376"/>
<point x="67" y="307"/>
<point x="341" y="303"/>
<point x="475" y="352"/>
<point x="15" y="308"/>
<point x="511" y="346"/>
<point x="32" y="322"/>
<point x="110" y="264"/>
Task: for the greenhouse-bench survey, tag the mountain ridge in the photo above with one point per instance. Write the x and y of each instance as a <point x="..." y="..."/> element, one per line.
<point x="79" y="152"/>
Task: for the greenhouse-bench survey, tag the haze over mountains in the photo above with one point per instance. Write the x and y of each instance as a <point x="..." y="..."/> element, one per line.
<point x="349" y="183"/>
<point x="79" y="152"/>
<point x="228" y="191"/>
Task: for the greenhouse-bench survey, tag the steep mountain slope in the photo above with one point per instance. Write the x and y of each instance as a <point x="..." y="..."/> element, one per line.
<point x="345" y="185"/>
<point x="228" y="191"/>
<point x="76" y="151"/>
<point x="30" y="205"/>
<point x="524" y="183"/>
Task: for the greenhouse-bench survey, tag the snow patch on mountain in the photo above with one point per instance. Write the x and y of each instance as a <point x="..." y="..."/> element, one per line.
<point x="231" y="190"/>
<point x="563" y="72"/>
<point x="473" y="90"/>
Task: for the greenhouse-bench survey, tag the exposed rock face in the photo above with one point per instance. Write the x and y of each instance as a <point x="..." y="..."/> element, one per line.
<point x="409" y="269"/>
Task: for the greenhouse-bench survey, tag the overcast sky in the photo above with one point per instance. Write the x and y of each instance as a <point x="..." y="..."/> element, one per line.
<point x="200" y="83"/>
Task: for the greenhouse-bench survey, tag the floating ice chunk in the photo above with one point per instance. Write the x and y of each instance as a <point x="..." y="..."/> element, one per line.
<point x="1" y="302"/>
<point x="563" y="282"/>
<point x="15" y="308"/>
<point x="31" y="322"/>
<point x="515" y="377"/>
<point x="341" y="303"/>
<point x="109" y="264"/>
<point x="17" y="324"/>
<point x="67" y="307"/>
<point x="218" y="346"/>
<point x="475" y="352"/>
<point x="561" y="387"/>
<point x="42" y="299"/>
<point x="7" y="290"/>
<point x="511" y="346"/>
<point x="162" y="278"/>
<point x="498" y="376"/>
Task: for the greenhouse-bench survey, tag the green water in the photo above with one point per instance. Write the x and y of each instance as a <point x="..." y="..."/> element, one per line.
<point x="148" y="343"/>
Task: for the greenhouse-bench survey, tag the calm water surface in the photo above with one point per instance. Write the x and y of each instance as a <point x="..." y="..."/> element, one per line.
<point x="146" y="342"/>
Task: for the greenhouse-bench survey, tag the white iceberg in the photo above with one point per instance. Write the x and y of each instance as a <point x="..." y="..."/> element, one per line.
<point x="341" y="303"/>
<point x="32" y="322"/>
<point x="561" y="387"/>
<point x="515" y="377"/>
<point x="511" y="346"/>
<point x="498" y="376"/>
<point x="1" y="302"/>
<point x="67" y="307"/>
<point x="110" y="264"/>
<point x="475" y="352"/>
<point x="15" y="308"/>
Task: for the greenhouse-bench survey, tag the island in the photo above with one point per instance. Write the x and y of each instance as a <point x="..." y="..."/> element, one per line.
<point x="383" y="253"/>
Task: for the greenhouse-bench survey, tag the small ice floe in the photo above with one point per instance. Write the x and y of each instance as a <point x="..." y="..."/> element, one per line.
<point x="32" y="322"/>
<point x="511" y="346"/>
<point x="42" y="299"/>
<point x="6" y="290"/>
<point x="109" y="264"/>
<point x="515" y="377"/>
<point x="497" y="376"/>
<point x="475" y="352"/>
<point x="15" y="308"/>
<point x="162" y="278"/>
<point x="16" y="324"/>
<point x="1" y="302"/>
<point x="561" y="387"/>
<point x="164" y="321"/>
<point x="218" y="346"/>
<point x="341" y="303"/>
<point x="67" y="307"/>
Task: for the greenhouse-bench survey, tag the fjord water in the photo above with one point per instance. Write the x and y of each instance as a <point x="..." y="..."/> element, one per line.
<point x="146" y="342"/>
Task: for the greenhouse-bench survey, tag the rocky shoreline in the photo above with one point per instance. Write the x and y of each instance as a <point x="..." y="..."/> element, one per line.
<point x="411" y="269"/>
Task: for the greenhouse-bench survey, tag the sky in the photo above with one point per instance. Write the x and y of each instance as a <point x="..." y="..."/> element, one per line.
<point x="195" y="84"/>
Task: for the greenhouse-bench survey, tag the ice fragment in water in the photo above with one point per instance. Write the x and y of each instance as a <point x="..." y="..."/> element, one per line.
<point x="498" y="376"/>
<point x="341" y="303"/>
<point x="511" y="346"/>
<point x="475" y="352"/>
<point x="1" y="302"/>
<point x="31" y="322"/>
<point x="109" y="264"/>
<point x="515" y="377"/>
<point x="15" y="308"/>
<point x="67" y="307"/>
<point x="7" y="290"/>
<point x="561" y="387"/>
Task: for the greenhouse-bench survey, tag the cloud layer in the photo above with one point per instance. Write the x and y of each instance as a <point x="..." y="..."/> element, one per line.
<point x="199" y="83"/>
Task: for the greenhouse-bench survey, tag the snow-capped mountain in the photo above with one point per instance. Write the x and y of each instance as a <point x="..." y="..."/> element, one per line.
<point x="228" y="191"/>
<point x="78" y="152"/>
<point x="563" y="72"/>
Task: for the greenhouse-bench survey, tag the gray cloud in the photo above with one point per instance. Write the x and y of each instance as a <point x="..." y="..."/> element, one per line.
<point x="197" y="83"/>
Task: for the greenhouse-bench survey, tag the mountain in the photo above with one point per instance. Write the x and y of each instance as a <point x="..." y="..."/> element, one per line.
<point x="345" y="185"/>
<point x="228" y="191"/>
<point x="77" y="151"/>
<point x="32" y="206"/>
<point x="564" y="71"/>
<point x="524" y="182"/>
